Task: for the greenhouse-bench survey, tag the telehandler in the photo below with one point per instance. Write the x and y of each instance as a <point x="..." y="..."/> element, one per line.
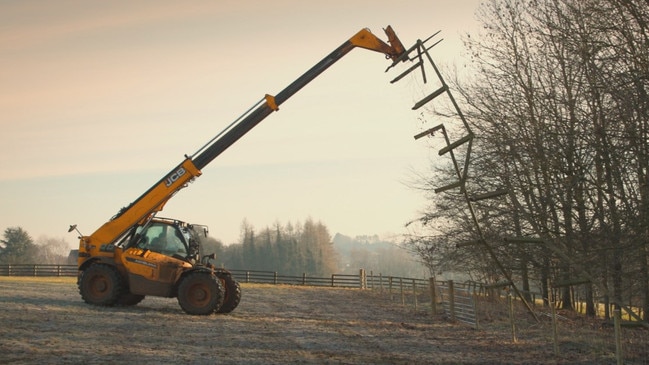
<point x="136" y="254"/>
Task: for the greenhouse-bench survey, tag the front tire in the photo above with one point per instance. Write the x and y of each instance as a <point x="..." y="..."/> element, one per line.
<point x="200" y="293"/>
<point x="100" y="284"/>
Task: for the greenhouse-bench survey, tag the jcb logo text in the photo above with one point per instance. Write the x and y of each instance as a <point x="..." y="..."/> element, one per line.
<point x="174" y="176"/>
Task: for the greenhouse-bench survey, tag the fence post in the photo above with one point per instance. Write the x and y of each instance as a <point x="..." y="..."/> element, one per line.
<point x="332" y="280"/>
<point x="433" y="295"/>
<point x="275" y="277"/>
<point x="414" y="292"/>
<point x="390" y="287"/>
<point x="362" y="279"/>
<point x="475" y="309"/>
<point x="303" y="278"/>
<point x="247" y="276"/>
<point x="35" y="270"/>
<point x="555" y="333"/>
<point x="451" y="299"/>
<point x="510" y="302"/>
<point x="381" y="283"/>
<point x="403" y="297"/>
<point x="618" y="336"/>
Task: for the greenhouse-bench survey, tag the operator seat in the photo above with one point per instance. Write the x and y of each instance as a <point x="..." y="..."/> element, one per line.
<point x="158" y="244"/>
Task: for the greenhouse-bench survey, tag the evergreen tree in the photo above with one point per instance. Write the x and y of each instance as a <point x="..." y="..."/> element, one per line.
<point x="293" y="249"/>
<point x="17" y="247"/>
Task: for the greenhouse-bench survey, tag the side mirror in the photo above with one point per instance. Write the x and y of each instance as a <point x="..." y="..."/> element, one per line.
<point x="73" y="227"/>
<point x="206" y="259"/>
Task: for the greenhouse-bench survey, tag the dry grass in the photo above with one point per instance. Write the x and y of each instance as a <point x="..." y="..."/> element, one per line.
<point x="44" y="320"/>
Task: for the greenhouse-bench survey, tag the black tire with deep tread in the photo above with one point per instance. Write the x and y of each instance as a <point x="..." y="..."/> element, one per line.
<point x="100" y="284"/>
<point x="232" y="294"/>
<point x="200" y="293"/>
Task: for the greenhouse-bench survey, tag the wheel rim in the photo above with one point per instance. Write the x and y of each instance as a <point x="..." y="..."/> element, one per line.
<point x="199" y="295"/>
<point x="99" y="286"/>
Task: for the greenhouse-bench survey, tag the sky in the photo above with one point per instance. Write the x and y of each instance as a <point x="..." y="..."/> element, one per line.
<point x="99" y="100"/>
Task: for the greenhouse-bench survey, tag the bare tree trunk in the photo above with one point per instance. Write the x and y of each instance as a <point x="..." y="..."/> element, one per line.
<point x="644" y="279"/>
<point x="590" y="301"/>
<point x="566" y="297"/>
<point x="545" y="277"/>
<point x="525" y="278"/>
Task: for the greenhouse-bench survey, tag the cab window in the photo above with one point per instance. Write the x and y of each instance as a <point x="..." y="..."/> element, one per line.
<point x="164" y="239"/>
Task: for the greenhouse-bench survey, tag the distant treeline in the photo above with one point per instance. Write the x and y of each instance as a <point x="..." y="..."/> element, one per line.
<point x="292" y="249"/>
<point x="296" y="248"/>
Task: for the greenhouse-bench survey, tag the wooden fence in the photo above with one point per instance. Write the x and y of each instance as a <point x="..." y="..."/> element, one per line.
<point x="360" y="280"/>
<point x="459" y="302"/>
<point x="411" y="292"/>
<point x="272" y="277"/>
<point x="38" y="270"/>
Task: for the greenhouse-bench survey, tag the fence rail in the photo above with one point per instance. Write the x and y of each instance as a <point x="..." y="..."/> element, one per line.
<point x="360" y="280"/>
<point x="272" y="277"/>
<point x="459" y="303"/>
<point x="38" y="270"/>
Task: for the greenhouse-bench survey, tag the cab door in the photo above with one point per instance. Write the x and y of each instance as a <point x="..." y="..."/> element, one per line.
<point x="151" y="269"/>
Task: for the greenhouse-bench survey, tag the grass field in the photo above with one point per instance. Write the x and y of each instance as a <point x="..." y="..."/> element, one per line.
<point x="44" y="320"/>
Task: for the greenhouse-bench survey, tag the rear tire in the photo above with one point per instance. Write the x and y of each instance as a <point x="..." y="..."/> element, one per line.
<point x="232" y="294"/>
<point x="100" y="284"/>
<point x="200" y="293"/>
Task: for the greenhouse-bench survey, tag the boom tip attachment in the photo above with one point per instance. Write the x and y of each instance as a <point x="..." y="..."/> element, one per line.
<point x="395" y="44"/>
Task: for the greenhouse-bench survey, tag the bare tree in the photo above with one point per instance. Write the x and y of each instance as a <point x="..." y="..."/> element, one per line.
<point x="559" y="105"/>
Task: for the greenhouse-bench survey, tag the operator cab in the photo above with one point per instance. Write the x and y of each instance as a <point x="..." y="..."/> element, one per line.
<point x="163" y="238"/>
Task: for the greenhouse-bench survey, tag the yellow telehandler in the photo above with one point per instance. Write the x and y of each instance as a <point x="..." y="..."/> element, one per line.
<point x="136" y="253"/>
